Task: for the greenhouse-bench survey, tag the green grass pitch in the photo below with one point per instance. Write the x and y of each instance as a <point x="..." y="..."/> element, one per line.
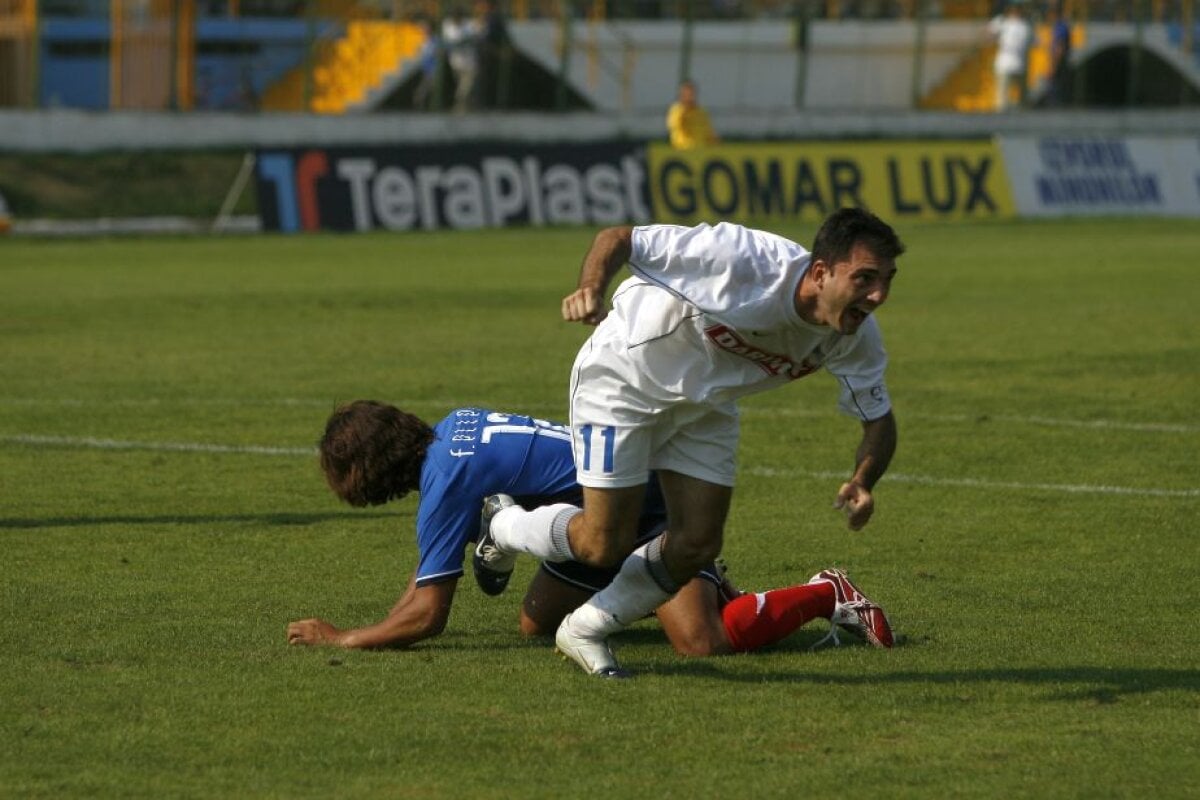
<point x="162" y="521"/>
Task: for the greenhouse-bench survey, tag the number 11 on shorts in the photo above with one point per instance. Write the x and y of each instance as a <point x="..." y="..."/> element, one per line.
<point x="609" y="436"/>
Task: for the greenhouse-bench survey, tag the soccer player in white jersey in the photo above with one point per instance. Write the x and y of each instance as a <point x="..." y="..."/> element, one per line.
<point x="711" y="314"/>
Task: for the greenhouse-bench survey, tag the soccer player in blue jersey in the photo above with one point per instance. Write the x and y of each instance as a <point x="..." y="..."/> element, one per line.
<point x="372" y="453"/>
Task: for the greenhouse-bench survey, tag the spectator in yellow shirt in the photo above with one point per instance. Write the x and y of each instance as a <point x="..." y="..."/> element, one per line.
<point x="687" y="122"/>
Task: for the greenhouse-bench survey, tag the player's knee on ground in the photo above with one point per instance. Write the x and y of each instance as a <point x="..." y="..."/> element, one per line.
<point x="700" y="642"/>
<point x="540" y="617"/>
<point x="546" y="602"/>
<point x="531" y="627"/>
<point x="692" y="621"/>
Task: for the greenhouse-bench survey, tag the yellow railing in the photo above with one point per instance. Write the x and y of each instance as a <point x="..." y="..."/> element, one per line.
<point x="18" y="56"/>
<point x="17" y="17"/>
<point x="152" y="54"/>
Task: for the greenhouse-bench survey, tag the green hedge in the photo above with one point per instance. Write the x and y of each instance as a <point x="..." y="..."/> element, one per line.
<point x="64" y="186"/>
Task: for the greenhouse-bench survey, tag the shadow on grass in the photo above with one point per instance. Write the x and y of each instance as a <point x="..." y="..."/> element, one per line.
<point x="1092" y="684"/>
<point x="274" y="518"/>
<point x="1100" y="685"/>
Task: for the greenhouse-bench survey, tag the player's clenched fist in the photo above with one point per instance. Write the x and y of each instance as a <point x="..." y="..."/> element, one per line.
<point x="856" y="500"/>
<point x="584" y="305"/>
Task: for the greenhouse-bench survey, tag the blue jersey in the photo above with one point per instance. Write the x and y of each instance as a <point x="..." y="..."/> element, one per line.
<point x="476" y="453"/>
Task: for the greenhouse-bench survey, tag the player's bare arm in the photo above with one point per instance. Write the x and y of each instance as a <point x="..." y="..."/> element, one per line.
<point x="421" y="613"/>
<point x="609" y="252"/>
<point x="871" y="461"/>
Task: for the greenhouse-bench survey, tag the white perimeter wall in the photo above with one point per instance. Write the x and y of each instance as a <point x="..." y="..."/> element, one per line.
<point x="82" y="132"/>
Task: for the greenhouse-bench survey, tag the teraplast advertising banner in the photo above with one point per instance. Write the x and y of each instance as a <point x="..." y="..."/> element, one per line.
<point x="456" y="186"/>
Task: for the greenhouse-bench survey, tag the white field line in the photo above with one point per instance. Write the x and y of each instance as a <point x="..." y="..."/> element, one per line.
<point x="91" y="443"/>
<point x="973" y="483"/>
<point x="1049" y="422"/>
<point x="87" y="442"/>
<point x="538" y="408"/>
<point x="1052" y="422"/>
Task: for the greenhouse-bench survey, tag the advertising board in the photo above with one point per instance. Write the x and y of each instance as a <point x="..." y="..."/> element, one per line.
<point x="1055" y="176"/>
<point x="451" y="186"/>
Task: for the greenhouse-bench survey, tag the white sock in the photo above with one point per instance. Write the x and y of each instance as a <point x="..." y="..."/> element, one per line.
<point x="541" y="532"/>
<point x="633" y="594"/>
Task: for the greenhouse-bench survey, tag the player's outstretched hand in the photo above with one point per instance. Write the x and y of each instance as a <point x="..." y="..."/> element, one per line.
<point x="312" y="631"/>
<point x="584" y="305"/>
<point x="856" y="500"/>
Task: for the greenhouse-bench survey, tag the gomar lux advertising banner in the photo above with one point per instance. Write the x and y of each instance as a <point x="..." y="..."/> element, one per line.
<point x="473" y="185"/>
<point x="805" y="181"/>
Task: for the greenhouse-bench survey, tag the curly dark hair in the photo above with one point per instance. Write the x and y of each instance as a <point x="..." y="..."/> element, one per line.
<point x="372" y="452"/>
<point x="847" y="227"/>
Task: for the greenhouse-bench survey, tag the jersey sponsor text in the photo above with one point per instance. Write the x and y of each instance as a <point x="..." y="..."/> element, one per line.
<point x="728" y="339"/>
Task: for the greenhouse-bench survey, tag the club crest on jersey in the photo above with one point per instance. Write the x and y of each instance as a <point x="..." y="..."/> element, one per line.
<point x="728" y="339"/>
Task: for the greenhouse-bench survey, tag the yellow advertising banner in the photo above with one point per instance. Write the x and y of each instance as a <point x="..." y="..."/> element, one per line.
<point x="924" y="180"/>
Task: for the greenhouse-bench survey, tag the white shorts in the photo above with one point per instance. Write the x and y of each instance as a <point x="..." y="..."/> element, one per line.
<point x="622" y="426"/>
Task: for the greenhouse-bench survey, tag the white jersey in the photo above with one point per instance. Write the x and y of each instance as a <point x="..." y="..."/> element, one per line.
<point x="709" y="317"/>
<point x="1014" y="35"/>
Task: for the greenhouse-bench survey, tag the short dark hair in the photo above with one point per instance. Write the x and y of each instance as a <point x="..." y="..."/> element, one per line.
<point x="372" y="452"/>
<point x="847" y="227"/>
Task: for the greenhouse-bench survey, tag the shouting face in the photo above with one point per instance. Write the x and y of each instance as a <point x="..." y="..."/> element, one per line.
<point x="848" y="291"/>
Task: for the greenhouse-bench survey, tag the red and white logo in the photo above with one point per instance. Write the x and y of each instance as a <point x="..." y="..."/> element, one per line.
<point x="728" y="340"/>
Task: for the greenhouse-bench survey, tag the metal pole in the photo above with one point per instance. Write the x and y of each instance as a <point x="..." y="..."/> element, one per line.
<point x="234" y="194"/>
<point x="504" y="85"/>
<point x="1079" y="84"/>
<point x="173" y="58"/>
<point x="34" y="56"/>
<point x="918" y="54"/>
<point x="310" y="57"/>
<point x="504" y="58"/>
<point x="801" y="31"/>
<point x="1187" y="20"/>
<point x="564" y="59"/>
<point x="439" y="71"/>
<point x="186" y="56"/>
<point x="1189" y="33"/>
<point x="685" y="54"/>
<point x="1135" y="55"/>
<point x="114" y="54"/>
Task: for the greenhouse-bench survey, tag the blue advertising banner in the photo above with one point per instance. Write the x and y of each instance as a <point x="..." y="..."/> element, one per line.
<point x="1054" y="176"/>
